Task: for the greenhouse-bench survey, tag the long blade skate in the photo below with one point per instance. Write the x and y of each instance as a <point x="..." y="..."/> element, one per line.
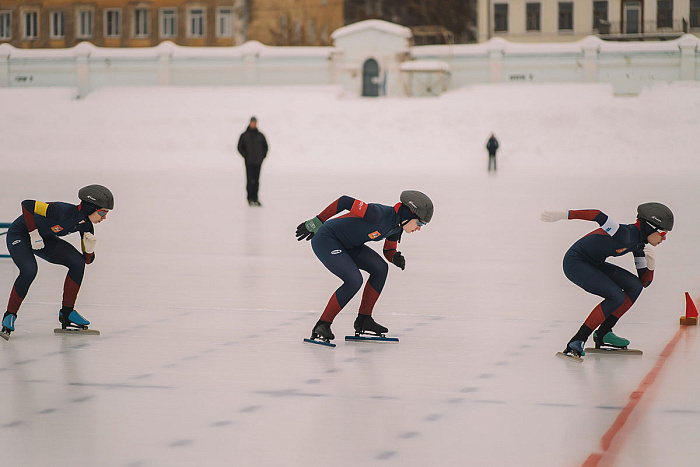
<point x="5" y="335"/>
<point x="613" y="350"/>
<point x="369" y="336"/>
<point x="570" y="356"/>
<point x="84" y="331"/>
<point x="320" y="341"/>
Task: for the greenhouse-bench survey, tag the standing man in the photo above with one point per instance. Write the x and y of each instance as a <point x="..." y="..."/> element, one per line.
<point x="253" y="147"/>
<point x="37" y="232"/>
<point x="492" y="147"/>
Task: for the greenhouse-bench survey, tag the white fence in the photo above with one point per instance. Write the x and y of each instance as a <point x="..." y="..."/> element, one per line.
<point x="629" y="66"/>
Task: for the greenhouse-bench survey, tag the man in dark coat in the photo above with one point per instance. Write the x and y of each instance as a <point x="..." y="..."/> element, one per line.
<point x="253" y="147"/>
<point x="492" y="147"/>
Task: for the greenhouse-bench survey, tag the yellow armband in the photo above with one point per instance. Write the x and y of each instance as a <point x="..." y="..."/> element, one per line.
<point x="40" y="208"/>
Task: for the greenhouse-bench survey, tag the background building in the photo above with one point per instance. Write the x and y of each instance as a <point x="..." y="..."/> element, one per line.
<point x="294" y="22"/>
<point x="554" y="20"/>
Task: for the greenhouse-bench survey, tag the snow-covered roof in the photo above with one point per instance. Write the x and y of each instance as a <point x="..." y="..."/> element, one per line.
<point x="425" y="65"/>
<point x="376" y="24"/>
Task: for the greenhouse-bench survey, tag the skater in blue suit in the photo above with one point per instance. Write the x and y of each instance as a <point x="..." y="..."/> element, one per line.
<point x="339" y="243"/>
<point x="585" y="265"/>
<point x="37" y="232"/>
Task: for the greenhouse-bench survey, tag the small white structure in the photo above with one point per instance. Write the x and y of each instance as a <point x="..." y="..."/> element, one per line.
<point x="369" y="56"/>
<point x="425" y="77"/>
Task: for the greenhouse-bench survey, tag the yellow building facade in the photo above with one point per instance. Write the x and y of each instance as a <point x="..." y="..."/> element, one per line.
<point x="119" y="23"/>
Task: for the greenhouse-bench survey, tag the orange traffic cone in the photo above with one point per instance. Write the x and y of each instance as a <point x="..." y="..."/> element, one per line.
<point x="691" y="312"/>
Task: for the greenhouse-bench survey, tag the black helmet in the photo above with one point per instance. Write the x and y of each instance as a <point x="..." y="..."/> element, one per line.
<point x="97" y="195"/>
<point x="419" y="204"/>
<point x="656" y="214"/>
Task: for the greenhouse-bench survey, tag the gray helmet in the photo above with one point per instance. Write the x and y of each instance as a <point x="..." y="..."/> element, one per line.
<point x="656" y="214"/>
<point x="97" y="195"/>
<point x="419" y="204"/>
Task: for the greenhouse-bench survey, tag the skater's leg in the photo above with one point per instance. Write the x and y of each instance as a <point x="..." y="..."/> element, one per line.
<point x="369" y="260"/>
<point x="23" y="257"/>
<point x="337" y="260"/>
<point x="632" y="287"/>
<point x="59" y="251"/>
<point x="593" y="280"/>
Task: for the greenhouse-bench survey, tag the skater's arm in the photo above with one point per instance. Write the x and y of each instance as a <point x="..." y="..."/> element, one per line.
<point x="645" y="263"/>
<point x="389" y="249"/>
<point x="87" y="243"/>
<point x="605" y="223"/>
<point x="241" y="146"/>
<point x="356" y="207"/>
<point x="30" y="208"/>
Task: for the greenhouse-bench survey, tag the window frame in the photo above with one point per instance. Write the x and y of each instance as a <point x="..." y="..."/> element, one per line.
<point x="667" y="17"/>
<point x="222" y="12"/>
<point x="528" y="17"/>
<point x="141" y="27"/>
<point x="107" y="24"/>
<point x="162" y="12"/>
<point x="79" y="33"/>
<point x="7" y="27"/>
<point x="190" y="22"/>
<point x="496" y="27"/>
<point x="25" y="12"/>
<point x="604" y="16"/>
<point x="694" y="16"/>
<point x="561" y="27"/>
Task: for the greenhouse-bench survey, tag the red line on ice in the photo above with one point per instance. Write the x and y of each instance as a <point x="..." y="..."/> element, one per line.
<point x="608" y="456"/>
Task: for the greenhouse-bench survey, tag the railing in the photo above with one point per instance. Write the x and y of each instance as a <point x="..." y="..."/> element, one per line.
<point x="643" y="28"/>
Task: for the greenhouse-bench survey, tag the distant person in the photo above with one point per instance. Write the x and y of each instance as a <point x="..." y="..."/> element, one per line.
<point x="492" y="147"/>
<point x="37" y="232"/>
<point x="253" y="147"/>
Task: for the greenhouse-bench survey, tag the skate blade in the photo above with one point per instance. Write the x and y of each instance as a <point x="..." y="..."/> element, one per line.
<point x="570" y="357"/>
<point x="319" y="342"/>
<point x="613" y="350"/>
<point x="5" y="336"/>
<point x="87" y="332"/>
<point x="371" y="338"/>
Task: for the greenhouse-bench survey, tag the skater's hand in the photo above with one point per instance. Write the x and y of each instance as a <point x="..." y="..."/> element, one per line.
<point x="651" y="258"/>
<point x="399" y="260"/>
<point x="35" y="239"/>
<point x="306" y="230"/>
<point x="553" y="216"/>
<point x="89" y="241"/>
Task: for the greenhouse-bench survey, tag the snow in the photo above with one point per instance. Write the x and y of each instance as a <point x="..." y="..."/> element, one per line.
<point x="425" y="65"/>
<point x="375" y="25"/>
<point x="203" y="302"/>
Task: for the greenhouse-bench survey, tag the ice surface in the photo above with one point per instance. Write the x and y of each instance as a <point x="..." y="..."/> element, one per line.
<point x="203" y="302"/>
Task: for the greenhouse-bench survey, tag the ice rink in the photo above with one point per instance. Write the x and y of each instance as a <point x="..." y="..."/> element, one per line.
<point x="203" y="301"/>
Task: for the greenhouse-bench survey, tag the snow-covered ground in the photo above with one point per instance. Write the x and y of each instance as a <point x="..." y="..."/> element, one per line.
<point x="203" y="302"/>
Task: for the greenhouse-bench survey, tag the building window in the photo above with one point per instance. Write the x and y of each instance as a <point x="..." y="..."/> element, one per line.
<point x="664" y="14"/>
<point x="600" y="12"/>
<point x="500" y="17"/>
<point x="533" y="16"/>
<point x="284" y="31"/>
<point x="84" y="23"/>
<point x="168" y="22"/>
<point x="224" y="22"/>
<point x="566" y="16"/>
<point x="141" y="23"/>
<point x="31" y="25"/>
<point x="694" y="14"/>
<point x="324" y="34"/>
<point x="5" y="24"/>
<point x="297" y="32"/>
<point x="58" y="25"/>
<point x="195" y="23"/>
<point x="113" y="23"/>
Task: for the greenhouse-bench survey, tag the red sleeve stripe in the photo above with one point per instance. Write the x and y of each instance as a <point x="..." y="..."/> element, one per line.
<point x="359" y="208"/>
<point x="28" y="218"/>
<point x="584" y="214"/>
<point x="329" y="212"/>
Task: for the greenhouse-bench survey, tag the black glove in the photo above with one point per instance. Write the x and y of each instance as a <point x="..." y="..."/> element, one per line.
<point x="399" y="260"/>
<point x="306" y="230"/>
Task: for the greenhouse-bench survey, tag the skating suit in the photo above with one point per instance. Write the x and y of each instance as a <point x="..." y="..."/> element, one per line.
<point x="585" y="262"/>
<point x="340" y="245"/>
<point x="52" y="220"/>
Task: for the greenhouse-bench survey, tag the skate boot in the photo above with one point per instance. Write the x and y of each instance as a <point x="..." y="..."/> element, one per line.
<point x="365" y="324"/>
<point x="610" y="340"/>
<point x="575" y="349"/>
<point x="8" y="324"/>
<point x="69" y="318"/>
<point x="322" y="331"/>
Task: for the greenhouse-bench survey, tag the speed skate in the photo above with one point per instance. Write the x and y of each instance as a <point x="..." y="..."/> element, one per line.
<point x="613" y="350"/>
<point x="371" y="337"/>
<point x="82" y="331"/>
